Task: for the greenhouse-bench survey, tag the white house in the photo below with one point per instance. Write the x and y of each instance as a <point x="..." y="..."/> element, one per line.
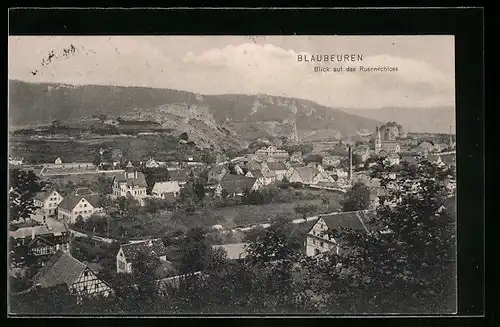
<point x="78" y="205"/>
<point x="317" y="241"/>
<point x="162" y="190"/>
<point x="129" y="254"/>
<point x="131" y="182"/>
<point x="64" y="270"/>
<point x="47" y="202"/>
<point x="264" y="177"/>
<point x="392" y="159"/>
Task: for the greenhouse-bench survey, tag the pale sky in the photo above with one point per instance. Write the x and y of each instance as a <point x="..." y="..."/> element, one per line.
<point x="249" y="65"/>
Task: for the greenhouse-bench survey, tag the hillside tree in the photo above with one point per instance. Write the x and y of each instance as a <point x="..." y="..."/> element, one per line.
<point x="357" y="198"/>
<point x="23" y="187"/>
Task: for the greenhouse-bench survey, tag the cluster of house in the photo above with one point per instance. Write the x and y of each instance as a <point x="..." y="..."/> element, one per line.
<point x="83" y="202"/>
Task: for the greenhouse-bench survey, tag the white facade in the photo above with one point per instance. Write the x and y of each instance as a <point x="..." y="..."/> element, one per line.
<point x="48" y="206"/>
<point x="161" y="189"/>
<point x="82" y="208"/>
<point x="316" y="242"/>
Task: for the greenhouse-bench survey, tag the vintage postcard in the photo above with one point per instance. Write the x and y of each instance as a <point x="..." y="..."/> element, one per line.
<point x="240" y="175"/>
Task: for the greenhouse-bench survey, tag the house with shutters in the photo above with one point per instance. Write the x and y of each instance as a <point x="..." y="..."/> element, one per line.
<point x="164" y="190"/>
<point x="64" y="270"/>
<point x="130" y="183"/>
<point x="317" y="242"/>
<point x="129" y="253"/>
<point x="74" y="206"/>
<point x="39" y="241"/>
<point x="47" y="202"/>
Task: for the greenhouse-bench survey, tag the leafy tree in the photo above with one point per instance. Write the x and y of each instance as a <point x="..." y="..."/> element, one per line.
<point x="276" y="244"/>
<point x="97" y="160"/>
<point x="357" y="198"/>
<point x="194" y="251"/>
<point x="406" y="264"/>
<point x="23" y="186"/>
<point x="103" y="185"/>
<point x="79" y="223"/>
<point x="305" y="210"/>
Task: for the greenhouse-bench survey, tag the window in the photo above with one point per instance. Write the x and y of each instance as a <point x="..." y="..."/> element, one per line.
<point x="321" y="244"/>
<point x="85" y="273"/>
<point x="85" y="205"/>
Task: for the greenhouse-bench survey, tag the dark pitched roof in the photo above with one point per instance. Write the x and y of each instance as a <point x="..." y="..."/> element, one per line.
<point x="42" y="196"/>
<point x="178" y="175"/>
<point x="153" y="247"/>
<point x="83" y="191"/>
<point x="357" y="220"/>
<point x="62" y="268"/>
<point x="139" y="181"/>
<point x="276" y="166"/>
<point x="409" y="159"/>
<point x="449" y="159"/>
<point x="71" y="201"/>
<point x="237" y="183"/>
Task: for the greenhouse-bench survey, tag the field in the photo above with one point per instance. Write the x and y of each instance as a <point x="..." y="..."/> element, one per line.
<point x="244" y="215"/>
<point x="161" y="147"/>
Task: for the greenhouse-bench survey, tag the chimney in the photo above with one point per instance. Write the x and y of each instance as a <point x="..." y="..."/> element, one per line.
<point x="350" y="165"/>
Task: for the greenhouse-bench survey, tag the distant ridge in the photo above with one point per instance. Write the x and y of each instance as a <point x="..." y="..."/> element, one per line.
<point x="242" y="116"/>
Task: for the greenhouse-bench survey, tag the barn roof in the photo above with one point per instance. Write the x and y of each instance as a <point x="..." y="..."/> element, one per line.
<point x="153" y="247"/>
<point x="62" y="268"/>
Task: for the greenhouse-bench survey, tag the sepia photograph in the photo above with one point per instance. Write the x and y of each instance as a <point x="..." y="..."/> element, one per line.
<point x="231" y="175"/>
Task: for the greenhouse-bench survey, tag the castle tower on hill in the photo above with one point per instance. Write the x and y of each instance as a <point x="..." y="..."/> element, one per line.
<point x="378" y="141"/>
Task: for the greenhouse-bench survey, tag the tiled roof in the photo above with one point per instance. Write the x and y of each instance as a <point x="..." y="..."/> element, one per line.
<point x="234" y="251"/>
<point x="153" y="247"/>
<point x="449" y="159"/>
<point x="62" y="268"/>
<point x="269" y="173"/>
<point x="39" y="230"/>
<point x="166" y="187"/>
<point x="256" y="173"/>
<point x="409" y="159"/>
<point x="42" y="196"/>
<point x="236" y="183"/>
<point x="70" y="202"/>
<point x="178" y="175"/>
<point x="357" y="220"/>
<point x="307" y="173"/>
<point x="139" y="181"/>
<point x="83" y="191"/>
<point x="276" y="166"/>
<point x="389" y="145"/>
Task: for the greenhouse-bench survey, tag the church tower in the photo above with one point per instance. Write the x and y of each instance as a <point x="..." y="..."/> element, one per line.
<point x="378" y="141"/>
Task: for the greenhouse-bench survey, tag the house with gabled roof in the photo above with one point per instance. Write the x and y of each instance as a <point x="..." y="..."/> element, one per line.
<point x="180" y="176"/>
<point x="236" y="185"/>
<point x="74" y="206"/>
<point x="64" y="270"/>
<point x="39" y="241"/>
<point x="307" y="175"/>
<point x="216" y="173"/>
<point x="129" y="253"/>
<point x="163" y="190"/>
<point x="130" y="182"/>
<point x="265" y="177"/>
<point x="278" y="168"/>
<point x="47" y="202"/>
<point x="317" y="241"/>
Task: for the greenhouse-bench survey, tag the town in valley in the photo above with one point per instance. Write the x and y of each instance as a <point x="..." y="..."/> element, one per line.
<point x="135" y="200"/>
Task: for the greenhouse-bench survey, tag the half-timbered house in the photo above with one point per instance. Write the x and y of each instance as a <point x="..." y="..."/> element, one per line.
<point x="63" y="269"/>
